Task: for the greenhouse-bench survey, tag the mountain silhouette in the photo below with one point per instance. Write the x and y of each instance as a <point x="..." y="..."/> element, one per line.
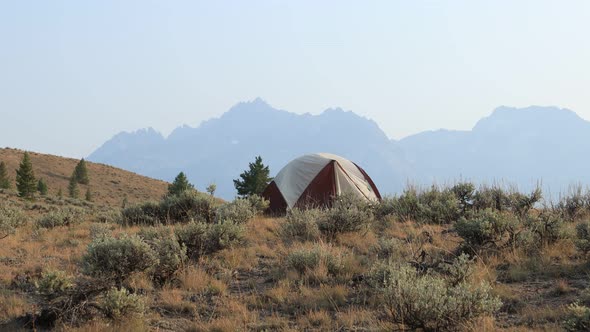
<point x="521" y="147"/>
<point x="220" y="149"/>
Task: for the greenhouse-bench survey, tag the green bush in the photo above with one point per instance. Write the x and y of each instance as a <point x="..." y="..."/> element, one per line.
<point x="575" y="204"/>
<point x="303" y="260"/>
<point x="429" y="301"/>
<point x="146" y="214"/>
<point x="407" y="207"/>
<point x="487" y="228"/>
<point x="258" y="203"/>
<point x="65" y="216"/>
<point x="387" y="247"/>
<point x="583" y="237"/>
<point x="301" y="225"/>
<point x="186" y="206"/>
<point x="439" y="206"/>
<point x="349" y="213"/>
<point x="201" y="238"/>
<point x="171" y="254"/>
<point x="494" y="198"/>
<point x="521" y="204"/>
<point x="547" y="227"/>
<point x="223" y="235"/>
<point x="578" y="318"/>
<point x="99" y="231"/>
<point x="11" y="218"/>
<point x="119" y="303"/>
<point x="53" y="283"/>
<point x="464" y="192"/>
<point x="459" y="271"/>
<point x="239" y="211"/>
<point x="115" y="259"/>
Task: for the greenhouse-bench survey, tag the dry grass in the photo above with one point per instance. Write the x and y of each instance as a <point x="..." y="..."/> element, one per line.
<point x="250" y="287"/>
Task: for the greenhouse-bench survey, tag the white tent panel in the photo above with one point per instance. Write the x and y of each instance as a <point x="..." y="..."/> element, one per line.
<point x="294" y="178"/>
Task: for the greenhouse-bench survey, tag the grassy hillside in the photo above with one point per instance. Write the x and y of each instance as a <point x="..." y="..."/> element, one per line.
<point x="108" y="185"/>
<point x="440" y="259"/>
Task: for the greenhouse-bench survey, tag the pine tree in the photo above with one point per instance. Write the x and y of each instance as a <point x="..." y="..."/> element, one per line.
<point x="88" y="195"/>
<point x="81" y="172"/>
<point x="73" y="187"/>
<point x="254" y="180"/>
<point x="25" y="178"/>
<point x="211" y="189"/>
<point x="60" y="194"/>
<point x="179" y="185"/>
<point x="42" y="187"/>
<point x="4" y="180"/>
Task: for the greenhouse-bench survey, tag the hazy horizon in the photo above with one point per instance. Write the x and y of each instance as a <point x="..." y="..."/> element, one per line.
<point x="75" y="73"/>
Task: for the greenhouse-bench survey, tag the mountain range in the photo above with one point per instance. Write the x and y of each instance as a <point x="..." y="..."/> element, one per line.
<point x="519" y="147"/>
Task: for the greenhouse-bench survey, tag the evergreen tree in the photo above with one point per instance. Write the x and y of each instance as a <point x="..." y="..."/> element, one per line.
<point x="88" y="195"/>
<point x="60" y="194"/>
<point x="4" y="180"/>
<point x="179" y="185"/>
<point x="42" y="187"/>
<point x="211" y="189"/>
<point x="73" y="187"/>
<point x="81" y="172"/>
<point x="25" y="178"/>
<point x="254" y="180"/>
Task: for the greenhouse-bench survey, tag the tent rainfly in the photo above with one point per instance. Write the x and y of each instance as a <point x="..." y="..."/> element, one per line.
<point x="315" y="180"/>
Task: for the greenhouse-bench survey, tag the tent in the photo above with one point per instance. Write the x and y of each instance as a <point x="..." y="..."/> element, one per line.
<point x="315" y="179"/>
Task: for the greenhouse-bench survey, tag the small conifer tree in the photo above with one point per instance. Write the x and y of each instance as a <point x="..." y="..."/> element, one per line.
<point x="81" y="172"/>
<point x="25" y="178"/>
<point x="211" y="189"/>
<point x="42" y="187"/>
<point x="88" y="195"/>
<point x="73" y="187"/>
<point x="4" y="180"/>
<point x="179" y="185"/>
<point x="254" y="180"/>
<point x="60" y="194"/>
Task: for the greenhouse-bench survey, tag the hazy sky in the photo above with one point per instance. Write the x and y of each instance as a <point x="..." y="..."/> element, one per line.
<point x="74" y="73"/>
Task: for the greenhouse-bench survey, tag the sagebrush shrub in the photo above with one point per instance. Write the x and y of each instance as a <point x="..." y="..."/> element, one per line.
<point x="119" y="303"/>
<point x="578" y="318"/>
<point x="258" y="203"/>
<point x="171" y="254"/>
<point x="53" y="283"/>
<point x="186" y="206"/>
<point x="11" y="218"/>
<point x="239" y="211"/>
<point x="429" y="301"/>
<point x="201" y="238"/>
<point x="460" y="270"/>
<point x="487" y="228"/>
<point x="439" y="206"/>
<point x="583" y="237"/>
<point x="115" y="259"/>
<point x="99" y="231"/>
<point x="303" y="260"/>
<point x="494" y="198"/>
<point x="301" y="225"/>
<point x="146" y="214"/>
<point x="547" y="227"/>
<point x="65" y="216"/>
<point x="575" y="204"/>
<point x="464" y="192"/>
<point x="348" y="213"/>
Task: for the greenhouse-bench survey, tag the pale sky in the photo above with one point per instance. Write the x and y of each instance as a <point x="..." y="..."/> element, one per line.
<point x="74" y="73"/>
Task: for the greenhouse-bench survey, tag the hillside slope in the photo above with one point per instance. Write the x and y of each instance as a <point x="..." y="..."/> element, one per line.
<point x="108" y="185"/>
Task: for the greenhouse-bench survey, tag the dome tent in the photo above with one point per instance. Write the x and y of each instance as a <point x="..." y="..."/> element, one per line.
<point x="315" y="179"/>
